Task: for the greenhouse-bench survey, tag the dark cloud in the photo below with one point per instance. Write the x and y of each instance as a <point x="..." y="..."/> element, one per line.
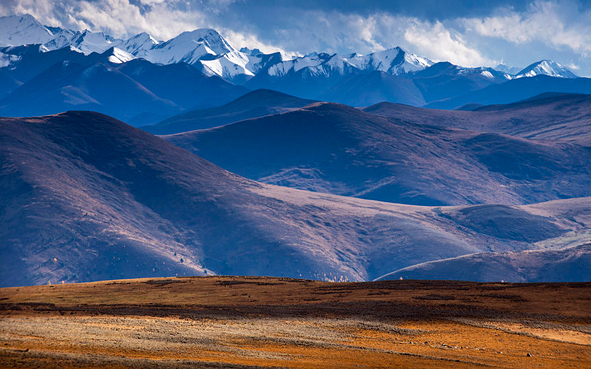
<point x="425" y="9"/>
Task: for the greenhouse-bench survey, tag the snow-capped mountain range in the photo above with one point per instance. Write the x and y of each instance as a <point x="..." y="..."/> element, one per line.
<point x="207" y="50"/>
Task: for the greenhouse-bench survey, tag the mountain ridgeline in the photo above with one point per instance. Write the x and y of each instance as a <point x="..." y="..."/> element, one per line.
<point x="143" y="81"/>
<point x="251" y="105"/>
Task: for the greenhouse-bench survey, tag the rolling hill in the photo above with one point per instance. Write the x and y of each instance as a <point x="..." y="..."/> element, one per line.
<point x="565" y="265"/>
<point x="86" y="197"/>
<point x="550" y="116"/>
<point x="340" y="150"/>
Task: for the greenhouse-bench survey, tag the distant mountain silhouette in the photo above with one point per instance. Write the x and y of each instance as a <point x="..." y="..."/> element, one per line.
<point x="364" y="89"/>
<point x="395" y="75"/>
<point x="349" y="85"/>
<point x="137" y="91"/>
<point x="251" y="105"/>
<point x="98" y="87"/>
<point x="181" y="83"/>
<point x="515" y="90"/>
<point x="445" y="80"/>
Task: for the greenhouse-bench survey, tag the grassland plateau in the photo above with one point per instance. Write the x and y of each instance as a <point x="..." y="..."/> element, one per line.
<point x="262" y="322"/>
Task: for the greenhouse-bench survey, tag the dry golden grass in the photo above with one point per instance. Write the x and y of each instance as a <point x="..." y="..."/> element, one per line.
<point x="244" y="322"/>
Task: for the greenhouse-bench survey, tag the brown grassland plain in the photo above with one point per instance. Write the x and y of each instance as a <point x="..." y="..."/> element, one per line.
<point x="261" y="322"/>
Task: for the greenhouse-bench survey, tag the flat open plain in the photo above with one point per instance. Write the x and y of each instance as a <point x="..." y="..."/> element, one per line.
<point x="259" y="322"/>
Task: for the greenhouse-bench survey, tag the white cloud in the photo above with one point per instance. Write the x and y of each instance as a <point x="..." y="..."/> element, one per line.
<point x="120" y="18"/>
<point x="152" y="2"/>
<point x="240" y="40"/>
<point x="437" y="42"/>
<point x="330" y="32"/>
<point x="556" y="24"/>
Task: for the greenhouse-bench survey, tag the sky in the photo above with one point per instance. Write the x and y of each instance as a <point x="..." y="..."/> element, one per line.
<point x="467" y="33"/>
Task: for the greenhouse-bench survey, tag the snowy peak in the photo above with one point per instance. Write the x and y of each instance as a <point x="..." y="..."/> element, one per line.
<point x="209" y="37"/>
<point x="333" y="64"/>
<point x="17" y="30"/>
<point x="26" y="30"/>
<point x="204" y="48"/>
<point x="547" y="68"/>
<point x="449" y="69"/>
<point x="189" y="47"/>
<point x="259" y="61"/>
<point x="231" y="65"/>
<point x="394" y="61"/>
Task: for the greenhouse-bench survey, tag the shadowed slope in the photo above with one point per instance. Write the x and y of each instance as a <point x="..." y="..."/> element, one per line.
<point x="182" y="83"/>
<point x="337" y="149"/>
